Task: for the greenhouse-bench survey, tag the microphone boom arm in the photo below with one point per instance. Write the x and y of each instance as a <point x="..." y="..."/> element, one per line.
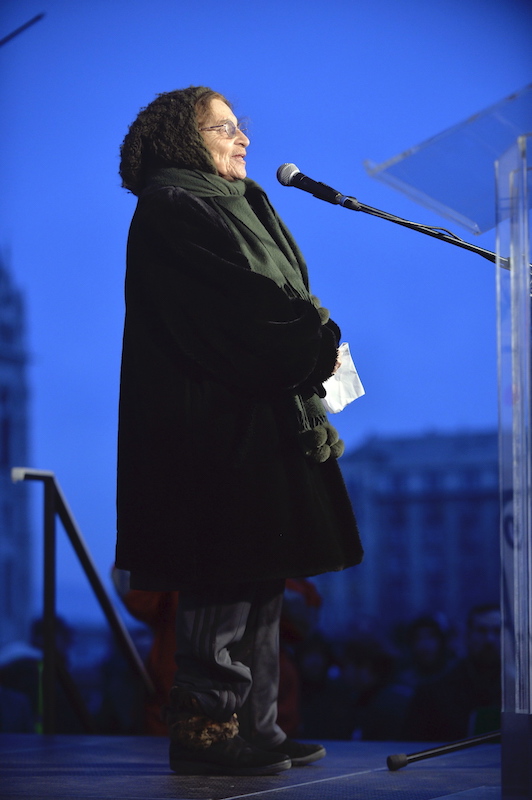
<point x="290" y="175"/>
<point x="438" y="233"/>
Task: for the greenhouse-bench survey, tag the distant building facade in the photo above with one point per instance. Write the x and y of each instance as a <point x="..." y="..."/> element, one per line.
<point x="428" y="511"/>
<point x="15" y="539"/>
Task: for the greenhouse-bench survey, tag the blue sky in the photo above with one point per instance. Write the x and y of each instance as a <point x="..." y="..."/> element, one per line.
<point x="325" y="85"/>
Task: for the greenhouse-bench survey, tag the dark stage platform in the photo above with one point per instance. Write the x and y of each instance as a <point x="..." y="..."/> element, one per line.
<point x="135" y="768"/>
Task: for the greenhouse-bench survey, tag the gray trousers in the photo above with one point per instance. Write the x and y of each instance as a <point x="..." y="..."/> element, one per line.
<point x="228" y="654"/>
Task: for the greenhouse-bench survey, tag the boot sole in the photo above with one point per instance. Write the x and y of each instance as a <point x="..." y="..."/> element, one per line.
<point x="206" y="768"/>
<point x="304" y="760"/>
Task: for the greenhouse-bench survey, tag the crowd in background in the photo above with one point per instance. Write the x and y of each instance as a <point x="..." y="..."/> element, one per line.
<point x="422" y="685"/>
<point x="425" y="680"/>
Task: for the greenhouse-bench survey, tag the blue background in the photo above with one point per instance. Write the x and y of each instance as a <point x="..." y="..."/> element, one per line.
<point x="326" y="85"/>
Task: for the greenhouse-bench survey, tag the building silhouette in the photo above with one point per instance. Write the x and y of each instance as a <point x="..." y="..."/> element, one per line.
<point x="15" y="540"/>
<point x="428" y="511"/>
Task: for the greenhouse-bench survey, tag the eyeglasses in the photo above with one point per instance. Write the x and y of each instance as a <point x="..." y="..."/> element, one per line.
<point x="228" y="127"/>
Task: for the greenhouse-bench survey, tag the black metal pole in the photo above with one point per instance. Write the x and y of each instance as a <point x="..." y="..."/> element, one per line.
<point x="402" y="759"/>
<point x="120" y="631"/>
<point x="49" y="651"/>
<point x="438" y="233"/>
<point x="22" y="28"/>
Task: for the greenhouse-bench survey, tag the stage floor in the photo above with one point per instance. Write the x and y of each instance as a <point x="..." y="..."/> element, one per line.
<point x="135" y="768"/>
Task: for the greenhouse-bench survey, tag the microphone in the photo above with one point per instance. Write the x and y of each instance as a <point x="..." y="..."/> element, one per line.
<point x="289" y="175"/>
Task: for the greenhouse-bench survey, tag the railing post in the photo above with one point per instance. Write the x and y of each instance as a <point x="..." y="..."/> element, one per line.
<point x="49" y="674"/>
<point x="55" y="505"/>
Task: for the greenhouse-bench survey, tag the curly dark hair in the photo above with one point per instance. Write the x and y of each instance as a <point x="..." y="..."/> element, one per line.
<point x="166" y="134"/>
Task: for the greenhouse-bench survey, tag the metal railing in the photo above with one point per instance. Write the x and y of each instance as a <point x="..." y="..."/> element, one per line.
<point x="55" y="505"/>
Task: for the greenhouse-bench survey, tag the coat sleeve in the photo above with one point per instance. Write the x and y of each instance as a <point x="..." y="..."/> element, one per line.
<point x="187" y="276"/>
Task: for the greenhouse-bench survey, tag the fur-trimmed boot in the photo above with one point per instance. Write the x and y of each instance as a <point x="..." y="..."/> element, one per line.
<point x="200" y="745"/>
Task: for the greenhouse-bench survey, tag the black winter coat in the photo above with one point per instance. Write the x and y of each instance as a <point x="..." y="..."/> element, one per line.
<point x="213" y="486"/>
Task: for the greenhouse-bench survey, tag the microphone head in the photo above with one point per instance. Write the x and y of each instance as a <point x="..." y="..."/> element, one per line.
<point x="286" y="174"/>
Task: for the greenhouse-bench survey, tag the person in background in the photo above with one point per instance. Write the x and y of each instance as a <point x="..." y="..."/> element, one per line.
<point x="158" y="611"/>
<point x="21" y="672"/>
<point x="367" y="669"/>
<point x="299" y="616"/>
<point x="428" y="652"/>
<point x="18" y="688"/>
<point x="326" y="698"/>
<point x="227" y="475"/>
<point x="466" y="700"/>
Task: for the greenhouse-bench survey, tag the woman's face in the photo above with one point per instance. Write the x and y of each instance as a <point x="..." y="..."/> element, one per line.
<point x="228" y="153"/>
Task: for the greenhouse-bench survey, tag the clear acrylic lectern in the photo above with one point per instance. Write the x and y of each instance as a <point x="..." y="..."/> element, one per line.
<point x="479" y="174"/>
<point x="514" y="170"/>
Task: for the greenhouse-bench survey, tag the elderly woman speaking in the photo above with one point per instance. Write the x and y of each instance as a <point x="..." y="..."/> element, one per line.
<point x="227" y="474"/>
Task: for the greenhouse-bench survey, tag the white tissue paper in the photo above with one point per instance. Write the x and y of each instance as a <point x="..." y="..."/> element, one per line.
<point x="344" y="386"/>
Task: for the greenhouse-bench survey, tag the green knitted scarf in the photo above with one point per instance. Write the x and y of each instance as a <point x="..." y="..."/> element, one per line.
<point x="262" y="237"/>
